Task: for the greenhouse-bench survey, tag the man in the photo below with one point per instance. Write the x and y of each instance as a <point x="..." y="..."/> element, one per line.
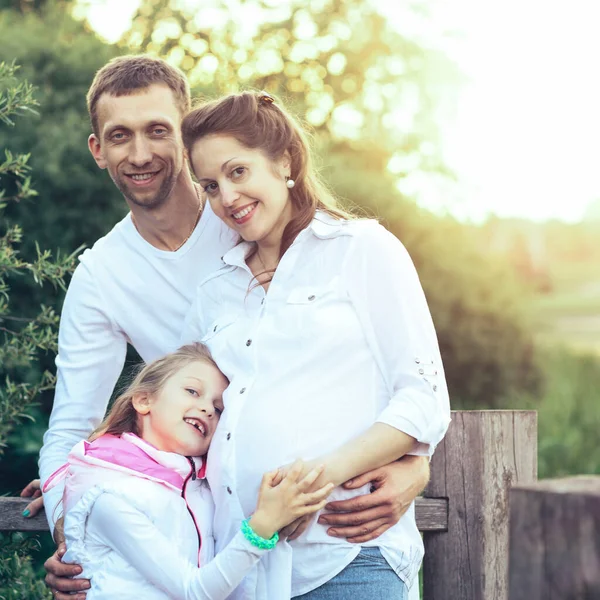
<point x="136" y="285"/>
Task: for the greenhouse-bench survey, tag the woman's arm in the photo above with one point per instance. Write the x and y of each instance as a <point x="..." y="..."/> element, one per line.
<point x="386" y="293"/>
<point x="380" y="445"/>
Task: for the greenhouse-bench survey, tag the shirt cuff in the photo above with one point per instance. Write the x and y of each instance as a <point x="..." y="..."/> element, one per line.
<point x="418" y="415"/>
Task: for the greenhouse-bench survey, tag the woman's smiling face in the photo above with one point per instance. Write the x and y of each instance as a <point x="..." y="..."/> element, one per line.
<point x="245" y="188"/>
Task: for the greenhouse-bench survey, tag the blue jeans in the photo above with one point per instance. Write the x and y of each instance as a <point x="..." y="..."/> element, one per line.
<point x="367" y="577"/>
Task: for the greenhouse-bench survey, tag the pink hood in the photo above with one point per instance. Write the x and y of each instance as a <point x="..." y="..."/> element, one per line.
<point x="131" y="455"/>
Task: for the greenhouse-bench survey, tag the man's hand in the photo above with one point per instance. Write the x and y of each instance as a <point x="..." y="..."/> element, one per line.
<point x="394" y="487"/>
<point x="295" y="528"/>
<point x="59" y="575"/>
<point x="32" y="490"/>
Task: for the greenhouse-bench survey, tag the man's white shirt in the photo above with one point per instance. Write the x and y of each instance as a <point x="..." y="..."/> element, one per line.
<point x="123" y="291"/>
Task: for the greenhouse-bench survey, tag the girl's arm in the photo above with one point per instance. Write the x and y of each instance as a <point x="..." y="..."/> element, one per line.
<point x="115" y="523"/>
<point x="386" y="293"/>
<point x="118" y="525"/>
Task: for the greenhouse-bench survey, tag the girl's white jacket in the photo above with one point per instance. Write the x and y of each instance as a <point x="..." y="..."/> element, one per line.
<point x="139" y="522"/>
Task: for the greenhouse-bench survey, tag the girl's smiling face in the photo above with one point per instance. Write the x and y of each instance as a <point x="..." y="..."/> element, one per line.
<point x="183" y="415"/>
<point x="245" y="188"/>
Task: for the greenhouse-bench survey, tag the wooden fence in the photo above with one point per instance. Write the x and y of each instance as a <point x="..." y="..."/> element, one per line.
<point x="464" y="514"/>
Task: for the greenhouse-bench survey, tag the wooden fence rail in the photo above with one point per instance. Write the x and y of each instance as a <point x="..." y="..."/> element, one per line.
<point x="464" y="513"/>
<point x="432" y="515"/>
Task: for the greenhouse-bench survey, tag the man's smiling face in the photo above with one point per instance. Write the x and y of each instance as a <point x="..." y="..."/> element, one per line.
<point x="140" y="143"/>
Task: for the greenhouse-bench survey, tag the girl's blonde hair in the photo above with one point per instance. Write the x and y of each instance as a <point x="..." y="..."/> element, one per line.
<point x="151" y="378"/>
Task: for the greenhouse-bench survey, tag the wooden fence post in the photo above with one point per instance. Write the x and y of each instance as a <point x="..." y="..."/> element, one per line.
<point x="483" y="454"/>
<point x="555" y="540"/>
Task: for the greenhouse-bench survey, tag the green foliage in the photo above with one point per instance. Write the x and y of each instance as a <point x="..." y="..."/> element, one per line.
<point x="22" y="336"/>
<point x="568" y="414"/>
<point x="18" y="581"/>
<point x="352" y="74"/>
<point x="77" y="204"/>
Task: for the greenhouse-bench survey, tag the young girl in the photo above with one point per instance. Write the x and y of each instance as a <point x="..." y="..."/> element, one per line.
<point x="138" y="513"/>
<point x="321" y="325"/>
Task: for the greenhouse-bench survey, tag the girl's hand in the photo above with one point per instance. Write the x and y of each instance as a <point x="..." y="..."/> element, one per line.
<point x="283" y="500"/>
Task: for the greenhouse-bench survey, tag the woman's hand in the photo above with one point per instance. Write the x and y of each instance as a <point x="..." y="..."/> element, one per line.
<point x="32" y="490"/>
<point x="394" y="488"/>
<point x="284" y="498"/>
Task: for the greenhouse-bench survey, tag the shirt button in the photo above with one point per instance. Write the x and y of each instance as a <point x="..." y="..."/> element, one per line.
<point x="262" y="301"/>
<point x="242" y="390"/>
<point x="229" y="436"/>
<point x="215" y="328"/>
<point x="421" y="372"/>
<point x="311" y="298"/>
<point x="249" y="343"/>
<point x="229" y="490"/>
<point x="435" y="388"/>
<point x="417" y="360"/>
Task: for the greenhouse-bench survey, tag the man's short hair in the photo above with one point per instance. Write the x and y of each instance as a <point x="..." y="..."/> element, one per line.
<point x="125" y="75"/>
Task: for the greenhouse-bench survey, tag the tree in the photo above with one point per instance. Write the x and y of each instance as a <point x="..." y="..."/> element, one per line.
<point x="22" y="336"/>
<point x="359" y="81"/>
<point x="59" y="56"/>
<point x="476" y="304"/>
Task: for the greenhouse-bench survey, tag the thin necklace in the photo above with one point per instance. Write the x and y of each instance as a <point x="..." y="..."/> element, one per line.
<point x="200" y="207"/>
<point x="262" y="262"/>
<point x="195" y="220"/>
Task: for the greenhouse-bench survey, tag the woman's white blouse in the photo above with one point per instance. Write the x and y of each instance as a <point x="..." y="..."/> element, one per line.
<point x="343" y="338"/>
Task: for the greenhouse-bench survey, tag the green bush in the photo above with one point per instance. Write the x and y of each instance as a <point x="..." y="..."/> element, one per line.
<point x="23" y="336"/>
<point x="568" y="414"/>
<point x="18" y="580"/>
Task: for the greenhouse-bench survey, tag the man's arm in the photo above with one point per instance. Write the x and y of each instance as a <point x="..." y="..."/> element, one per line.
<point x="91" y="354"/>
<point x="394" y="488"/>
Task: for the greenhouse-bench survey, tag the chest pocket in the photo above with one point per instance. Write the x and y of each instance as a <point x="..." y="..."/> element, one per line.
<point x="217" y="326"/>
<point x="312" y="311"/>
<point x="316" y="294"/>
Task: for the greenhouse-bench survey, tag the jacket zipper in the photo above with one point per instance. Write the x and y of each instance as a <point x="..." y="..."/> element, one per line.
<point x="192" y="476"/>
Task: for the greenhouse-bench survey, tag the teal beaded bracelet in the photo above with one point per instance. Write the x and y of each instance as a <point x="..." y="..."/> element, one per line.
<point x="256" y="540"/>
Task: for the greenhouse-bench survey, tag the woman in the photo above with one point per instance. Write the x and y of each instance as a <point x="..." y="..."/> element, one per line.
<point x="320" y="324"/>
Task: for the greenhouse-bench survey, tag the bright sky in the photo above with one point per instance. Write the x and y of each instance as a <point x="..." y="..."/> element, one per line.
<point x="525" y="137"/>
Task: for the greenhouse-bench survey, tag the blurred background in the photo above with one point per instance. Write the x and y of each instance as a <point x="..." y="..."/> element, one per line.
<point x="470" y="128"/>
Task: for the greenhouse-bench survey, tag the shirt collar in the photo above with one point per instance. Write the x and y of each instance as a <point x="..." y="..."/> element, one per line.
<point x="323" y="226"/>
<point x="326" y="226"/>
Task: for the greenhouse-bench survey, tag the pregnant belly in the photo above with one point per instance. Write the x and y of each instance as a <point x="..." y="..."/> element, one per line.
<point x="263" y="445"/>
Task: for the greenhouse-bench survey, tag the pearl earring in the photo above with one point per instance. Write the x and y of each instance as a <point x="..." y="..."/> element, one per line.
<point x="290" y="183"/>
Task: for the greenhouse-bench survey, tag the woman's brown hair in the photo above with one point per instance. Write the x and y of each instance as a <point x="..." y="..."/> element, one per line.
<point x="122" y="417"/>
<point x="257" y="121"/>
